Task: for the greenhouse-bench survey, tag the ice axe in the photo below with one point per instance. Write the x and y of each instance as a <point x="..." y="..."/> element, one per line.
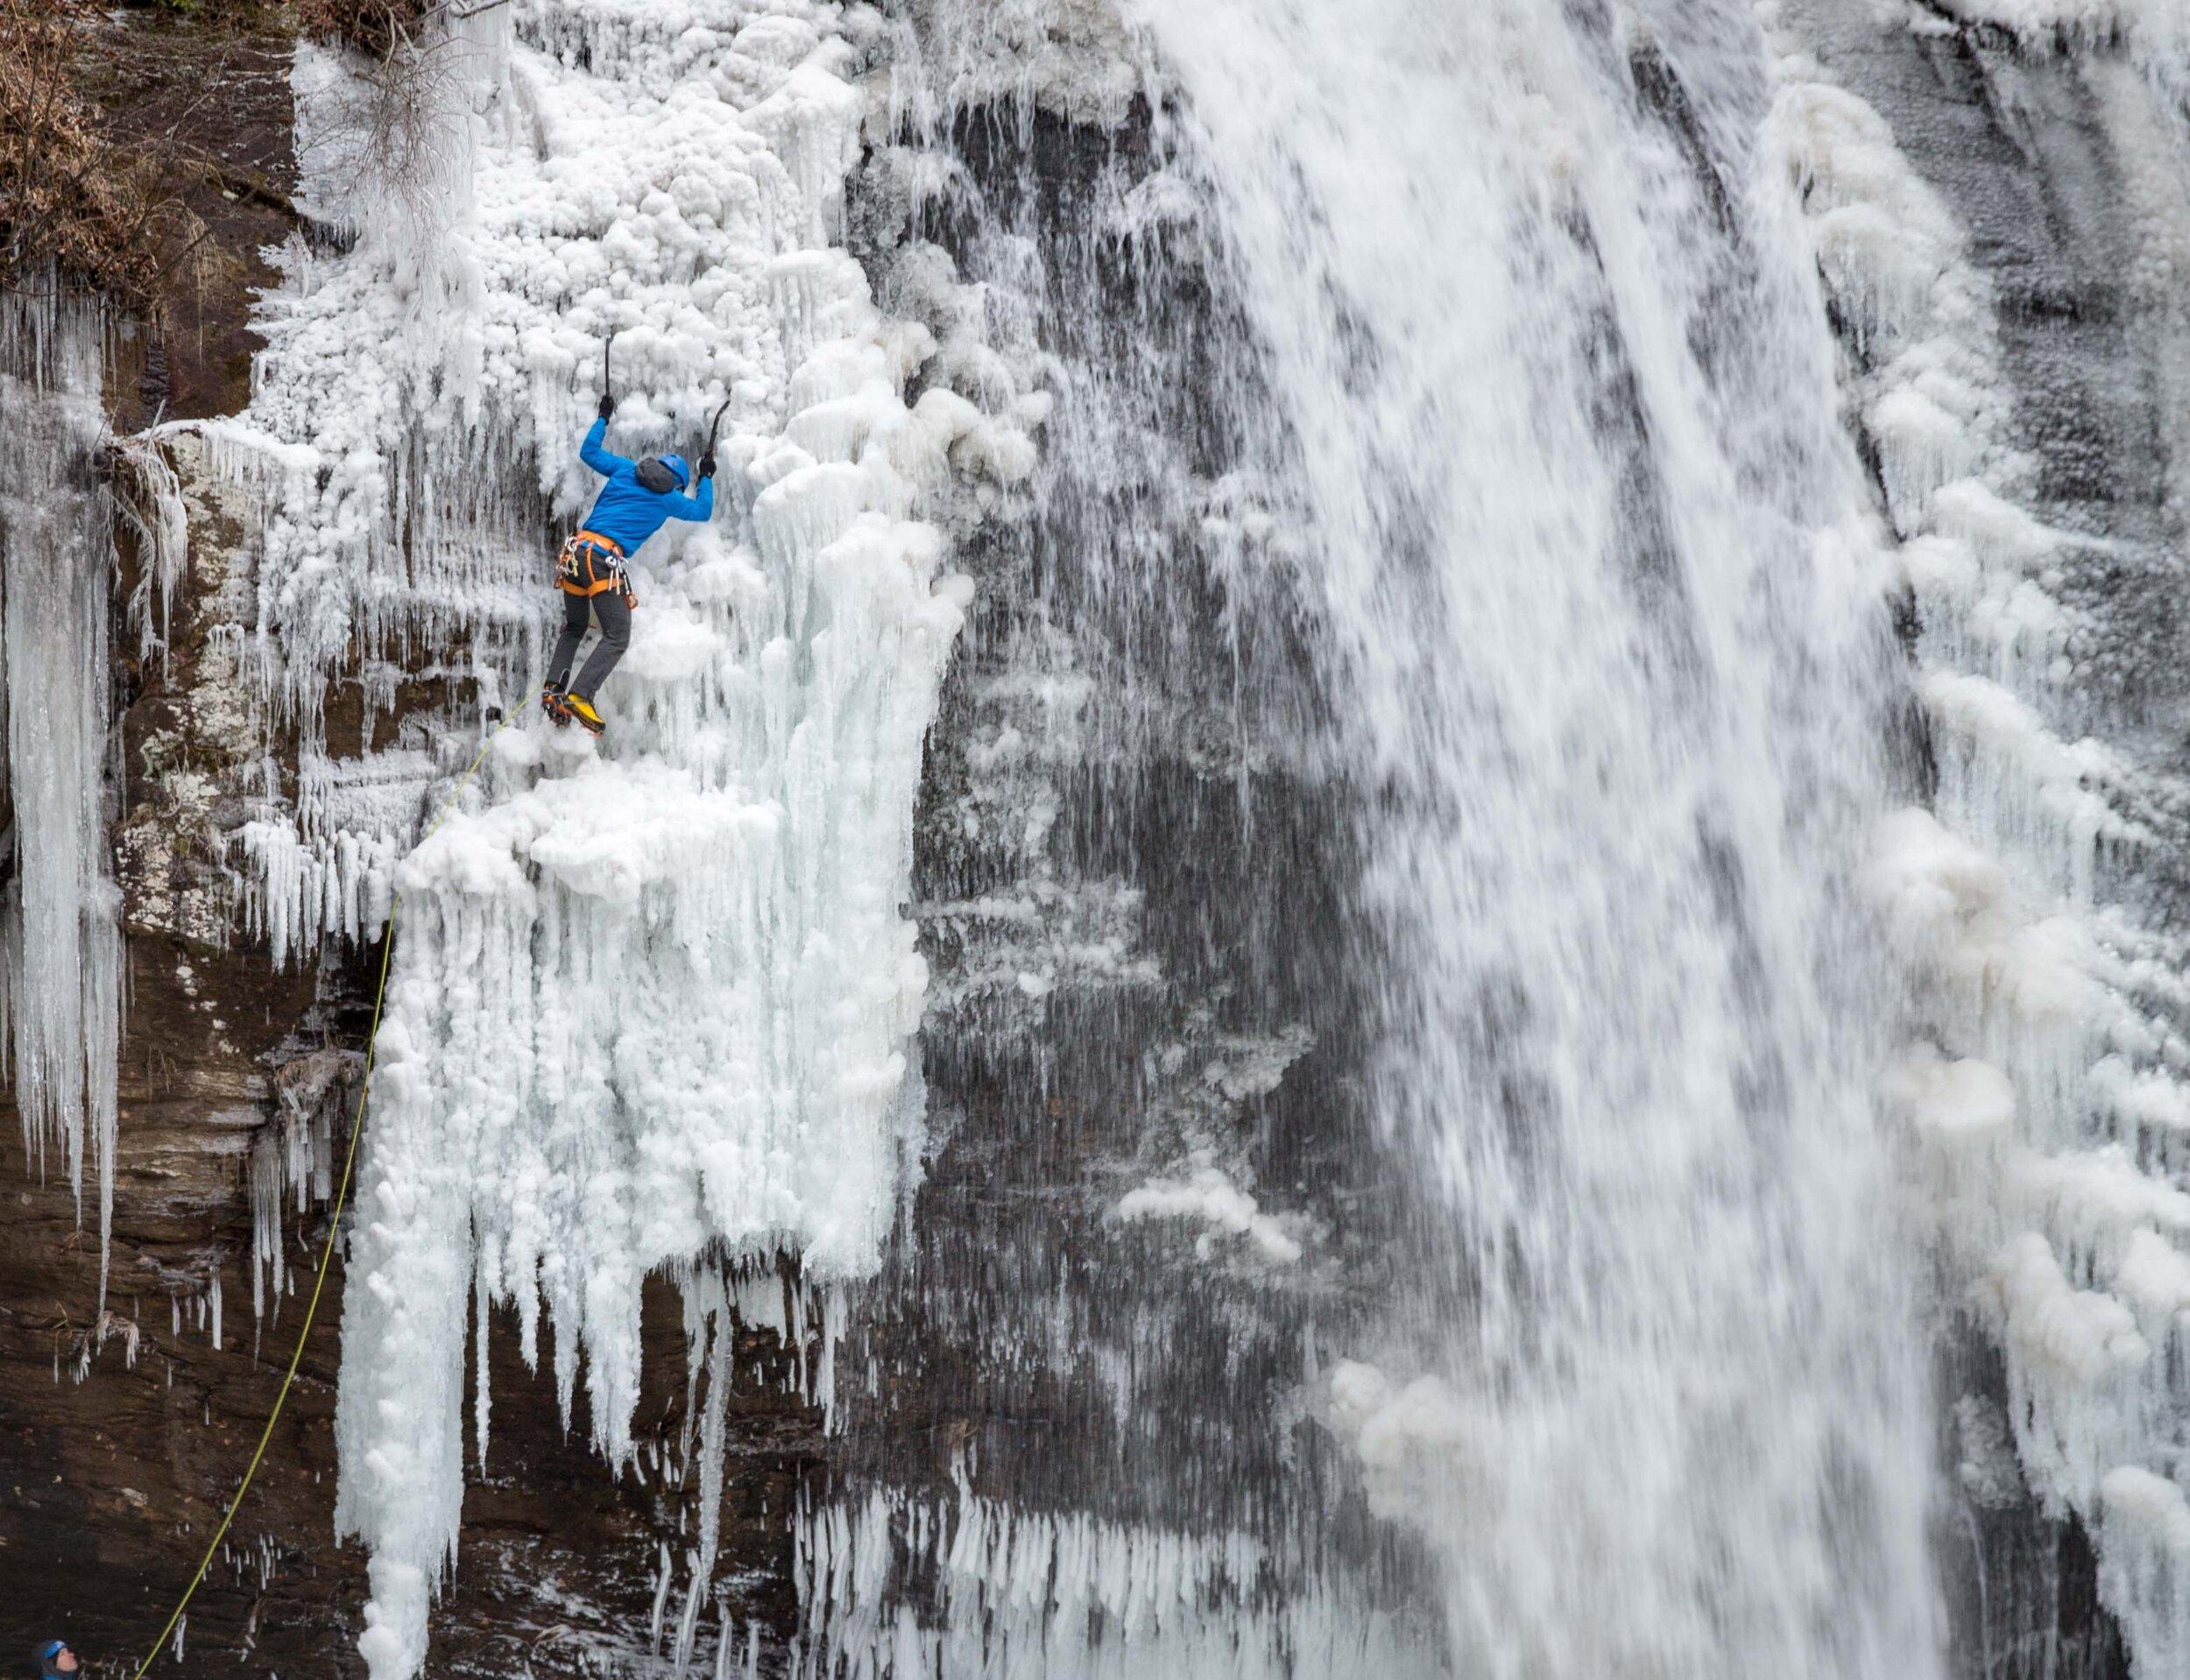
<point x="608" y="401"/>
<point x="714" y="426"/>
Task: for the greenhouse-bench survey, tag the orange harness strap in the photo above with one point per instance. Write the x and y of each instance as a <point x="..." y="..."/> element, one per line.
<point x="578" y="568"/>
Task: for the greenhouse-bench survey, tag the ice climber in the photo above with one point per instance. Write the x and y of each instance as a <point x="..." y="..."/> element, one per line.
<point x="55" y="1659"/>
<point x="638" y="497"/>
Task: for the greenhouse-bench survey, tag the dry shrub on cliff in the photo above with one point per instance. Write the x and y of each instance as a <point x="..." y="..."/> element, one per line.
<point x="71" y="203"/>
<point x="376" y="27"/>
<point x="389" y="131"/>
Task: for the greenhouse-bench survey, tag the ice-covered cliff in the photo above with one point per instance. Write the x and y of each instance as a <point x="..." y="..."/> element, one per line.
<point x="652" y="1002"/>
<point x="2000" y="197"/>
<point x="1413" y="834"/>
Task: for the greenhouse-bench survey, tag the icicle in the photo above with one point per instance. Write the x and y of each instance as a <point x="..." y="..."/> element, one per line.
<point x="833" y="1313"/>
<point x="482" y="1301"/>
<point x="687" y="1620"/>
<point x="267" y="1171"/>
<point x="664" y="1572"/>
<point x="155" y="514"/>
<point x="714" y="1434"/>
<point x="63" y="956"/>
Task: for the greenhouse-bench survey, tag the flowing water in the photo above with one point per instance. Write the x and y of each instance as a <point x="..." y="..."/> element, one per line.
<point x="1538" y="436"/>
<point x="1589" y="554"/>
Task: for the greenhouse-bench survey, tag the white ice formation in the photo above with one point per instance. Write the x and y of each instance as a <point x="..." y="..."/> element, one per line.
<point x="1017" y="1591"/>
<point x="2051" y="1104"/>
<point x="60" y="944"/>
<point x="2157" y="28"/>
<point x="1207" y="1197"/>
<point x="652" y="1000"/>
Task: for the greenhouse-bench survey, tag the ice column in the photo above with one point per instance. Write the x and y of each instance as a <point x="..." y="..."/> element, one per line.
<point x="62" y="983"/>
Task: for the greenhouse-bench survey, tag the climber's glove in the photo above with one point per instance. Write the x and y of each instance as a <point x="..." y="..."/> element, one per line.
<point x="608" y="406"/>
<point x="707" y="464"/>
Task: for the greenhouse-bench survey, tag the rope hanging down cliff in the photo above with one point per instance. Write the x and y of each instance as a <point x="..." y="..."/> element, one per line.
<point x="334" y="1225"/>
<point x="555" y="702"/>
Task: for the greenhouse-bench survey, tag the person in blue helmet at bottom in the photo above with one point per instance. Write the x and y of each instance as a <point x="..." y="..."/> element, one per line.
<point x="639" y="498"/>
<point x="55" y="1659"/>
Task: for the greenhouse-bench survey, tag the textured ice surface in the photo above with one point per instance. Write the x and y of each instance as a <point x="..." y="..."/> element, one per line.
<point x="412" y="430"/>
<point x="2052" y="1114"/>
<point x="651" y="998"/>
<point x="1208" y="1198"/>
<point x="2157" y="28"/>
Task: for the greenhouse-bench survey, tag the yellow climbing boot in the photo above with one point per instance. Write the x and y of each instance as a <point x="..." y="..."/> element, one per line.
<point x="582" y="709"/>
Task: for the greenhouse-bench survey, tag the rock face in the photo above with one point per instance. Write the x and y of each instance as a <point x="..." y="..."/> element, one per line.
<point x="1129" y="883"/>
<point x="210" y="106"/>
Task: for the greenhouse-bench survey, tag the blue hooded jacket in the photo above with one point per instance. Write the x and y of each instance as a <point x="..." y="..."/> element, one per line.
<point x="626" y="511"/>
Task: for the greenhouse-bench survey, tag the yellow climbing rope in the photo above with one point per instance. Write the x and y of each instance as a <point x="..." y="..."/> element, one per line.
<point x="335" y="1227"/>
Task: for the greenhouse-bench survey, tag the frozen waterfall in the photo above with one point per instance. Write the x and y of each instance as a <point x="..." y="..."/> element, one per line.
<point x="653" y="1001"/>
<point x="1499" y="1017"/>
<point x="60" y="988"/>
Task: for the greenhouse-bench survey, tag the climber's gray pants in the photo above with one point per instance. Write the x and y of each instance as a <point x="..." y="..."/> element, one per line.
<point x="615" y="617"/>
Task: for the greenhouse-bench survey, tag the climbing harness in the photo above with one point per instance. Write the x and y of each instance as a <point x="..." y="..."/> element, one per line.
<point x="334" y="1225"/>
<point x="591" y="564"/>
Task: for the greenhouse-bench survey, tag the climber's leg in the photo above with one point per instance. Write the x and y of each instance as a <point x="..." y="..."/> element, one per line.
<point x="576" y="613"/>
<point x="608" y="608"/>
